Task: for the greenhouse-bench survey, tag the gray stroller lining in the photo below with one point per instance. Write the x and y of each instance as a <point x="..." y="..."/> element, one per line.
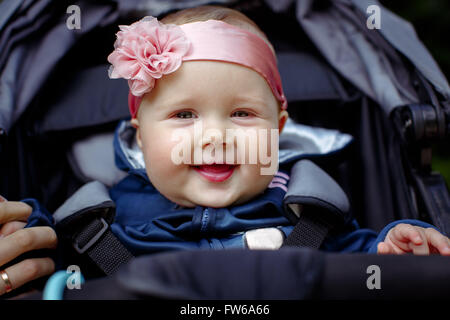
<point x="92" y="159"/>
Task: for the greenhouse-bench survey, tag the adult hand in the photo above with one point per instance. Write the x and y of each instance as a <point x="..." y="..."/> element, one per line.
<point x="15" y="240"/>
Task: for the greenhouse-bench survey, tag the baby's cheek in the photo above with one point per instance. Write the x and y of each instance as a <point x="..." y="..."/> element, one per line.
<point x="158" y="155"/>
<point x="268" y="142"/>
<point x="259" y="181"/>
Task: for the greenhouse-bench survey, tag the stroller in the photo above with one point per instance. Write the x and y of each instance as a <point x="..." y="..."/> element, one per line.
<point x="380" y="86"/>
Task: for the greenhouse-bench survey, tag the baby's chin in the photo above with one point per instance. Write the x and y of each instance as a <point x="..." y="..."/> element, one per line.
<point x="212" y="200"/>
<point x="235" y="191"/>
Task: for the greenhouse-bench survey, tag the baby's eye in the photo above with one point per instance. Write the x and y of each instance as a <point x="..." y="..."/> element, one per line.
<point x="240" y="114"/>
<point x="185" y="115"/>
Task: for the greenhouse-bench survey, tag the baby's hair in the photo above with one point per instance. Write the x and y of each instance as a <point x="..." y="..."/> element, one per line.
<point x="211" y="12"/>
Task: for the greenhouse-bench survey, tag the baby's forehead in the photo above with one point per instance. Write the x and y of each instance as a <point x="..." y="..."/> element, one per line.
<point x="221" y="78"/>
<point x="218" y="78"/>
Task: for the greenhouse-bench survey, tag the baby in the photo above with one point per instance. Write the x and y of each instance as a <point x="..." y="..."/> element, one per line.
<point x="211" y="69"/>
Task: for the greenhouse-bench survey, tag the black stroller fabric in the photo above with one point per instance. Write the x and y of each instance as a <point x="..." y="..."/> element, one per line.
<point x="54" y="91"/>
<point x="297" y="274"/>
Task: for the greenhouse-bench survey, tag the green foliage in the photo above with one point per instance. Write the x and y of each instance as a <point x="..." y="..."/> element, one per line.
<point x="431" y="20"/>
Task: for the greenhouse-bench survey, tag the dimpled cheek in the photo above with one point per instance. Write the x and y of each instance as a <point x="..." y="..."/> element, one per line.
<point x="258" y="183"/>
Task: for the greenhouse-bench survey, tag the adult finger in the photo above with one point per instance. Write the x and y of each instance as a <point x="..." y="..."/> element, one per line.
<point x="438" y="241"/>
<point x="14" y="210"/>
<point x="26" y="271"/>
<point x="11" y="227"/>
<point x="25" y="240"/>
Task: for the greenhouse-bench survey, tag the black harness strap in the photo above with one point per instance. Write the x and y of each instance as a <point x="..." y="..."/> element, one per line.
<point x="314" y="203"/>
<point x="83" y="223"/>
<point x="98" y="242"/>
<point x="310" y="231"/>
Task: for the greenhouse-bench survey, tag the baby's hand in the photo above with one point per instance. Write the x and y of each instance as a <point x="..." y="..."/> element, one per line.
<point x="406" y="238"/>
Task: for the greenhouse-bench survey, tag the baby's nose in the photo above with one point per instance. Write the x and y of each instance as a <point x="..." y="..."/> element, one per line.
<point x="212" y="143"/>
<point x="214" y="137"/>
<point x="210" y="132"/>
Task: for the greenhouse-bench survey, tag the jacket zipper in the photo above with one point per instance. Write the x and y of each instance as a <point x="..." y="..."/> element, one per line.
<point x="204" y="220"/>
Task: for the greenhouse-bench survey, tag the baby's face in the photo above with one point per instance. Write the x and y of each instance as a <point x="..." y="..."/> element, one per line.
<point x="198" y="97"/>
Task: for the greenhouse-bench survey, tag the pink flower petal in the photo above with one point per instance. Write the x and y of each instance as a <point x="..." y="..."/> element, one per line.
<point x="145" y="51"/>
<point x="139" y="87"/>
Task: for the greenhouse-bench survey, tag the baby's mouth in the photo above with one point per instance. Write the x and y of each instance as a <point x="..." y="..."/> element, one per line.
<point x="216" y="172"/>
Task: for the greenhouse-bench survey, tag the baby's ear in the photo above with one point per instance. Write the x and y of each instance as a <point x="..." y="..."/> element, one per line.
<point x="135" y="124"/>
<point x="282" y="118"/>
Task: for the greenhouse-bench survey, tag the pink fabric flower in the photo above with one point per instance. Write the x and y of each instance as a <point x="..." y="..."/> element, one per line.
<point x="145" y="51"/>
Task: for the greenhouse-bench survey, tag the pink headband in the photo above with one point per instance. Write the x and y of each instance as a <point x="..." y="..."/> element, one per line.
<point x="148" y="49"/>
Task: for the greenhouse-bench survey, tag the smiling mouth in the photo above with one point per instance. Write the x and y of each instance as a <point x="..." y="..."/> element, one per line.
<point x="215" y="172"/>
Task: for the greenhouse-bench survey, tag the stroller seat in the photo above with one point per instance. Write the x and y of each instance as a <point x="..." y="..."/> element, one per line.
<point x="367" y="104"/>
